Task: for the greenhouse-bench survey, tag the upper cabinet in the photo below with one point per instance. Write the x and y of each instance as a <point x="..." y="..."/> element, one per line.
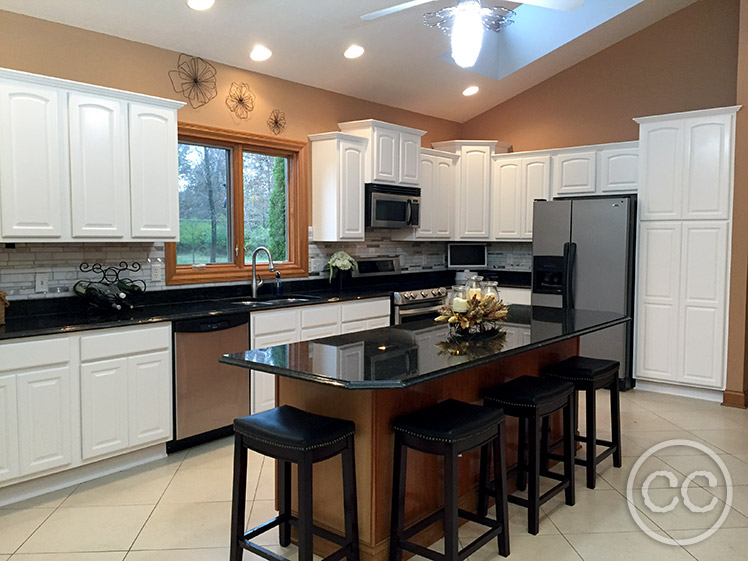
<point x="596" y="170"/>
<point x="686" y="165"/>
<point x="85" y="163"/>
<point x="618" y="169"/>
<point x="338" y="162"/>
<point x="393" y="154"/>
<point x="574" y="173"/>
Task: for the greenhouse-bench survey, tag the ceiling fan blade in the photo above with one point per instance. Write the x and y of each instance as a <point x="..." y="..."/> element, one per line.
<point x="566" y="5"/>
<point x="394" y="9"/>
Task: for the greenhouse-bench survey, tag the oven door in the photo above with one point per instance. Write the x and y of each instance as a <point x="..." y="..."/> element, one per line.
<point x="417" y="311"/>
<point x="388" y="210"/>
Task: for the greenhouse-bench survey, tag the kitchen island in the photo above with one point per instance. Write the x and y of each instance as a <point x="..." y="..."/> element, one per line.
<point x="398" y="369"/>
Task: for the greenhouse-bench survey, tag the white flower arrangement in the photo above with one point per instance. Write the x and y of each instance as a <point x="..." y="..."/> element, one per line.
<point x="341" y="261"/>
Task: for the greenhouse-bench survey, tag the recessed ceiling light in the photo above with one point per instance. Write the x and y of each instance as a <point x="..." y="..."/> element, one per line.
<point x="260" y="53"/>
<point x="354" y="51"/>
<point x="200" y="5"/>
<point x="471" y="90"/>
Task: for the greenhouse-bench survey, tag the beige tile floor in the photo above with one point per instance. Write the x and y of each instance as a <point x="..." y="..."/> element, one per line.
<point x="178" y="509"/>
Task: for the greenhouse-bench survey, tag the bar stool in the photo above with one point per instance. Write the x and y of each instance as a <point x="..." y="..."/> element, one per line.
<point x="589" y="375"/>
<point x="291" y="435"/>
<point x="448" y="428"/>
<point x="531" y="399"/>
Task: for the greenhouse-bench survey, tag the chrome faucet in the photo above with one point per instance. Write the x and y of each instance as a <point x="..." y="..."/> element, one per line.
<point x="271" y="268"/>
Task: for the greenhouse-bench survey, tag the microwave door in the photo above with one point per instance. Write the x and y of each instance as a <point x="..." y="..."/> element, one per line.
<point x="388" y="211"/>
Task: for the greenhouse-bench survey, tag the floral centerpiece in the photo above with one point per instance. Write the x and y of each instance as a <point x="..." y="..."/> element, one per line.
<point x="339" y="265"/>
<point x="475" y="316"/>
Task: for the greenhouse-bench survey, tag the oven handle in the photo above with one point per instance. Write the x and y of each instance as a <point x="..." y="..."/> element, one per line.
<point x="417" y="311"/>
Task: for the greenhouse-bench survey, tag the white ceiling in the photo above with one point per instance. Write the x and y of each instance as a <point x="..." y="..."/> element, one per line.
<point x="406" y="64"/>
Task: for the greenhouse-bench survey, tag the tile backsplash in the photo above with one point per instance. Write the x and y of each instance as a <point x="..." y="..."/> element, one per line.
<point x="19" y="265"/>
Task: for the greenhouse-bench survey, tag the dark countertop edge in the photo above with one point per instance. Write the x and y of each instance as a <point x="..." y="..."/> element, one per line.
<point x="396" y="385"/>
<point x="221" y="309"/>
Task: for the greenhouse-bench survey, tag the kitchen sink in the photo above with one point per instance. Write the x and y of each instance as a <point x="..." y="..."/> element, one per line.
<point x="276" y="301"/>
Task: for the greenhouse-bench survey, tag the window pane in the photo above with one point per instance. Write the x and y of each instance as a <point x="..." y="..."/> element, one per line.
<point x="265" y="188"/>
<point x="204" y="205"/>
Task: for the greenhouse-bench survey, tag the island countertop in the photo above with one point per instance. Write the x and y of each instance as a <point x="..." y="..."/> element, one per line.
<point x="404" y="355"/>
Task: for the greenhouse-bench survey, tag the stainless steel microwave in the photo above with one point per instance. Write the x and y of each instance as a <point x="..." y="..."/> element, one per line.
<point x="392" y="206"/>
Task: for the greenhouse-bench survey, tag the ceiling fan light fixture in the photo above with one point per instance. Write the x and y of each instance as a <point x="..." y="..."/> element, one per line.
<point x="200" y="5"/>
<point x="467" y="33"/>
<point x="260" y="53"/>
<point x="353" y="51"/>
<point x="470" y="90"/>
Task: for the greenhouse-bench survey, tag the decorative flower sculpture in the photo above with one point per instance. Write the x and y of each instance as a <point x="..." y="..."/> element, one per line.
<point x="277" y="121"/>
<point x="341" y="261"/>
<point x="476" y="316"/>
<point x="241" y="100"/>
<point x="195" y="79"/>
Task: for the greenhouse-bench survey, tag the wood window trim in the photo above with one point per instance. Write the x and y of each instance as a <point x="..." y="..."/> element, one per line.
<point x="297" y="213"/>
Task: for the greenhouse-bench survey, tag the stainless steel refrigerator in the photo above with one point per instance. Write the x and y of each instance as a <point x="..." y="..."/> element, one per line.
<point x="583" y="258"/>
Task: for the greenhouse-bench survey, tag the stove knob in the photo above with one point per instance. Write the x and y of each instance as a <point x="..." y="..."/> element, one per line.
<point x="442" y="291"/>
<point x="408" y="295"/>
<point x="424" y="293"/>
<point x="435" y="292"/>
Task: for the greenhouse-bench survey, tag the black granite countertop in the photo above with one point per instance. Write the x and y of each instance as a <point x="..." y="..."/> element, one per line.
<point x="405" y="355"/>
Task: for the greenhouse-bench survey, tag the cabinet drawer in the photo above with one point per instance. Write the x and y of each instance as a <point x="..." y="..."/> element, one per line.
<point x="122" y="342"/>
<point x="34" y="354"/>
<point x="266" y="323"/>
<point x="367" y="309"/>
<point x="317" y="316"/>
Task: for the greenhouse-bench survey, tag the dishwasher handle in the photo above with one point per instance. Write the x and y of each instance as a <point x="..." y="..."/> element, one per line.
<point x="209" y="324"/>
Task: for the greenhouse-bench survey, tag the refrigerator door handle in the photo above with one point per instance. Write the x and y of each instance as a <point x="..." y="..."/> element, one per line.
<point x="570" y="258"/>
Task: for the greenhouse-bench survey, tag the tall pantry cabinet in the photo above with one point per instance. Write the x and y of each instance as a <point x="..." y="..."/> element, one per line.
<point x="685" y="202"/>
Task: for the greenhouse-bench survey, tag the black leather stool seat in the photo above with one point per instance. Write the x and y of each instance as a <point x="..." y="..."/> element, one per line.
<point x="288" y="427"/>
<point x="519" y="397"/>
<point x="583" y="369"/>
<point x="449" y="421"/>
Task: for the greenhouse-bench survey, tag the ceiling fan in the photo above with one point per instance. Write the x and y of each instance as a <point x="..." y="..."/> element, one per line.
<point x="464" y="22"/>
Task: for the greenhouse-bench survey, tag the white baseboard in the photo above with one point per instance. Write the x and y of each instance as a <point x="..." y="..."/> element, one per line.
<point x="46" y="484"/>
<point x="682" y="391"/>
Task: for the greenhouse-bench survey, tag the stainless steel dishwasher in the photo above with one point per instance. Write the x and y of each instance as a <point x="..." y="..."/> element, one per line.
<point x="208" y="395"/>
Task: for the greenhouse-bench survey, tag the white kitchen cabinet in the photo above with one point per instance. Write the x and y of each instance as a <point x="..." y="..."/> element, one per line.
<point x="153" y="172"/>
<point x="98" y="166"/>
<point x="515" y="183"/>
<point x="574" y="173"/>
<point x="82" y="162"/>
<point x="319" y="321"/>
<point x="33" y="168"/>
<point x="338" y="186"/>
<point x="686" y="165"/>
<point x="104" y="407"/>
<point x="618" y="170"/>
<point x="512" y="295"/>
<point x="393" y="151"/>
<point x="9" y="463"/>
<point x="364" y="314"/>
<point x="149" y="398"/>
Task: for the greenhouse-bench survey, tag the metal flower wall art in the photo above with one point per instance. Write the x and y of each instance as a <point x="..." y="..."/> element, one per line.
<point x="277" y="121"/>
<point x="195" y="79"/>
<point x="241" y="100"/>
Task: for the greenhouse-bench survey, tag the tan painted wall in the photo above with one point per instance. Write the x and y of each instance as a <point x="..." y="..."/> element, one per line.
<point x="683" y="62"/>
<point x="52" y="49"/>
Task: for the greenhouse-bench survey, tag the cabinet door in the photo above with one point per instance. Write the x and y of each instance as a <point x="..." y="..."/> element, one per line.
<point x="44" y="419"/>
<point x="319" y="321"/>
<point x="506" y="199"/>
<point x="708" y="167"/>
<point x="660" y="170"/>
<point x="536" y="184"/>
<point x="410" y="157"/>
<point x="618" y="170"/>
<point x="8" y="428"/>
<point x="445" y="180"/>
<point x="703" y="302"/>
<point x="98" y="167"/>
<point x="153" y="173"/>
<point x="574" y="173"/>
<point x="386" y="155"/>
<point x="104" y="413"/>
<point x="429" y="198"/>
<point x="149" y="398"/>
<point x="33" y="172"/>
<point x="351" y="215"/>
<point x="475" y="193"/>
<point x="658" y="301"/>
<point x="262" y="384"/>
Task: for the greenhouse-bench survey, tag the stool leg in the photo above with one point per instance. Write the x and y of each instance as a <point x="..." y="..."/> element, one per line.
<point x="533" y="487"/>
<point x="545" y="432"/>
<point x="238" y="499"/>
<point x="591" y="461"/>
<point x="483" y="479"/>
<point x="306" y="522"/>
<point x="502" y="505"/>
<point x="398" y="499"/>
<point x="615" y="421"/>
<point x="284" y="500"/>
<point x="570" y="446"/>
<point x="521" y="449"/>
<point x="350" y="502"/>
<point x="451" y="545"/>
